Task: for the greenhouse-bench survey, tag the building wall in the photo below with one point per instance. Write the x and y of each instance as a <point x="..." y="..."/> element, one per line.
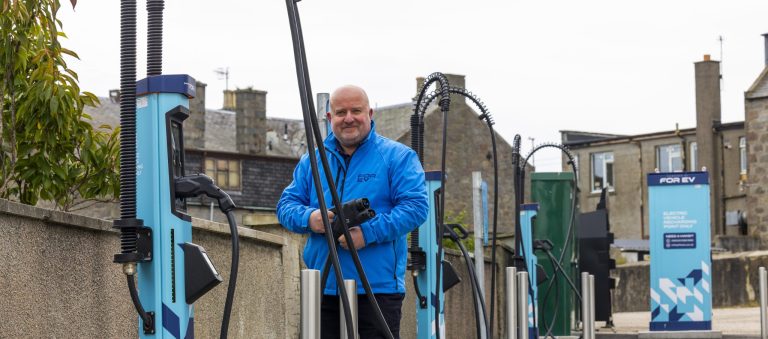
<point x="734" y="188"/>
<point x="756" y="108"/>
<point x="633" y="160"/>
<point x="262" y="178"/>
<point x="626" y="198"/>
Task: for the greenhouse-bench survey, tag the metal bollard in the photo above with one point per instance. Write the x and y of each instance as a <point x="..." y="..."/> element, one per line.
<point x="522" y="305"/>
<point x="310" y="304"/>
<point x="511" y="303"/>
<point x="585" y="312"/>
<point x="763" y="303"/>
<point x="351" y="286"/>
<point x="592" y="306"/>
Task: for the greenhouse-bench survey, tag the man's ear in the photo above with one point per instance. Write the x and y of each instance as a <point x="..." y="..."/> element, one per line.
<point x="370" y="113"/>
<point x="328" y="116"/>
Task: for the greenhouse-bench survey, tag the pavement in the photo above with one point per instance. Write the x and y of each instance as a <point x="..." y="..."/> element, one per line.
<point x="733" y="323"/>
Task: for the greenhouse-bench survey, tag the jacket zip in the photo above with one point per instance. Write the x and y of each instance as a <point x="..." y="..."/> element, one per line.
<point x="347" y="161"/>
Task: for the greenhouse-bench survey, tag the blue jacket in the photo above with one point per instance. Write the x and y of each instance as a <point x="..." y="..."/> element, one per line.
<point x="390" y="176"/>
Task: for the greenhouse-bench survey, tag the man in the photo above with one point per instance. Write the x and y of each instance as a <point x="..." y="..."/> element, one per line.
<point x="364" y="165"/>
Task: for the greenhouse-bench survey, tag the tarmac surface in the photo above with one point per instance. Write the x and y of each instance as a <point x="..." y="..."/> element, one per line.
<point x="732" y="322"/>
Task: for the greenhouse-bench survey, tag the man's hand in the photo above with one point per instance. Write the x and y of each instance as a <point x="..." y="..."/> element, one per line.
<point x="316" y="221"/>
<point x="357" y="238"/>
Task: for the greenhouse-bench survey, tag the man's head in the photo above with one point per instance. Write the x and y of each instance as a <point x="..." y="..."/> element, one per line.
<point x="350" y="116"/>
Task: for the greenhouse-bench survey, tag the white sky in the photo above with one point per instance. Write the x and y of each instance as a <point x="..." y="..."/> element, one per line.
<point x="540" y="66"/>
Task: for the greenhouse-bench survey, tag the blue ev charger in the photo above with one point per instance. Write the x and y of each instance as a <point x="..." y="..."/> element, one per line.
<point x="161" y="107"/>
<point x="527" y="216"/>
<point x="426" y="308"/>
<point x="155" y="230"/>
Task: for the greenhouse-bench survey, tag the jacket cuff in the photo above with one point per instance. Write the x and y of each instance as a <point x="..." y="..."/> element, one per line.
<point x="368" y="233"/>
<point x="305" y="219"/>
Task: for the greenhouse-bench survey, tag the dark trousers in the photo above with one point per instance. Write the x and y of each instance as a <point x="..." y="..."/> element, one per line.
<point x="368" y="326"/>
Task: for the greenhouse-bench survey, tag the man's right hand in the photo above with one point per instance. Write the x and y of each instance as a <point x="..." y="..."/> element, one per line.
<point x="316" y="221"/>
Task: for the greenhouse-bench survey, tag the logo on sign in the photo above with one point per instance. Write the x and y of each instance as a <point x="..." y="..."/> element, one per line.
<point x="677" y="180"/>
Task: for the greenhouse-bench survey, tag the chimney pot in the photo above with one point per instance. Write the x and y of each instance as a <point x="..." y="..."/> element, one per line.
<point x="765" y="43"/>
<point x="707" y="57"/>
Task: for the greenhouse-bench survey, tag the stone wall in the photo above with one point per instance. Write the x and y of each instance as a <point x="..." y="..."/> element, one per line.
<point x="734" y="282"/>
<point x="59" y="280"/>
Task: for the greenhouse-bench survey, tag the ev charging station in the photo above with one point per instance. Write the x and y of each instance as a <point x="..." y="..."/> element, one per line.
<point x="681" y="290"/>
<point x="165" y="284"/>
<point x="425" y="303"/>
<point x="527" y="216"/>
<point x="156" y="246"/>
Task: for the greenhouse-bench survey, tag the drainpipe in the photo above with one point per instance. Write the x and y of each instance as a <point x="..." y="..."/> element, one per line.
<point x="642" y="197"/>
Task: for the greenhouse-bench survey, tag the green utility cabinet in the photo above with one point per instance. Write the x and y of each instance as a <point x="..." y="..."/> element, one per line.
<point x="554" y="193"/>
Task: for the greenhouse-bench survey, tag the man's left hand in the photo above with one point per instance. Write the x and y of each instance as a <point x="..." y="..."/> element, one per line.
<point x="357" y="238"/>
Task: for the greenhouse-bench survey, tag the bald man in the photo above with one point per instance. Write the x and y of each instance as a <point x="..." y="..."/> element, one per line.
<point x="364" y="165"/>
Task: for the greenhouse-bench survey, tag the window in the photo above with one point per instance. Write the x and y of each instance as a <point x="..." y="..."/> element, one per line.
<point x="225" y="173"/>
<point x="602" y="171"/>
<point x="693" y="162"/>
<point x="669" y="158"/>
<point x="743" y="154"/>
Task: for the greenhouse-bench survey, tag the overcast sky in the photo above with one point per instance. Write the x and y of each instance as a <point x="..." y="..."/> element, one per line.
<point x="540" y="66"/>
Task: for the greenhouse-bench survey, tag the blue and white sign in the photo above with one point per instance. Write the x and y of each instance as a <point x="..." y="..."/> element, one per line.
<point x="681" y="290"/>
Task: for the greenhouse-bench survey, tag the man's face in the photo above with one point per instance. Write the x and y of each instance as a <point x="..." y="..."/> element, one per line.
<point x="350" y="116"/>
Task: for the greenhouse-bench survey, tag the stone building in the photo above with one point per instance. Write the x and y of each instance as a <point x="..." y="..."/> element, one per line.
<point x="756" y="111"/>
<point x="621" y="163"/>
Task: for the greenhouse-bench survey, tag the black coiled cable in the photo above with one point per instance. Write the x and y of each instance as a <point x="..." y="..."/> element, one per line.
<point x="128" y="224"/>
<point x="445" y="101"/>
<point x="128" y="109"/>
<point x="305" y="107"/>
<point x="155" y="37"/>
<point x="486" y="116"/>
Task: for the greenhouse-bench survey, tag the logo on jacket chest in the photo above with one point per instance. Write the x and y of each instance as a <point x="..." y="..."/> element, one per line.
<point x="366" y="177"/>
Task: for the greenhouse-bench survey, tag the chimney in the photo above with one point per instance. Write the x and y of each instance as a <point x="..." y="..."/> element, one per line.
<point x="251" y="118"/>
<point x="194" y="126"/>
<point x="229" y="100"/>
<point x="709" y="148"/>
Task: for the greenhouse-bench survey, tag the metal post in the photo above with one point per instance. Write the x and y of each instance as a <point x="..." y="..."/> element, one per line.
<point x="351" y="287"/>
<point x="477" y="213"/>
<point x="763" y="303"/>
<point x="310" y="304"/>
<point x="591" y="306"/>
<point x="585" y="312"/>
<point x="323" y="106"/>
<point x="522" y="305"/>
<point x="511" y="303"/>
